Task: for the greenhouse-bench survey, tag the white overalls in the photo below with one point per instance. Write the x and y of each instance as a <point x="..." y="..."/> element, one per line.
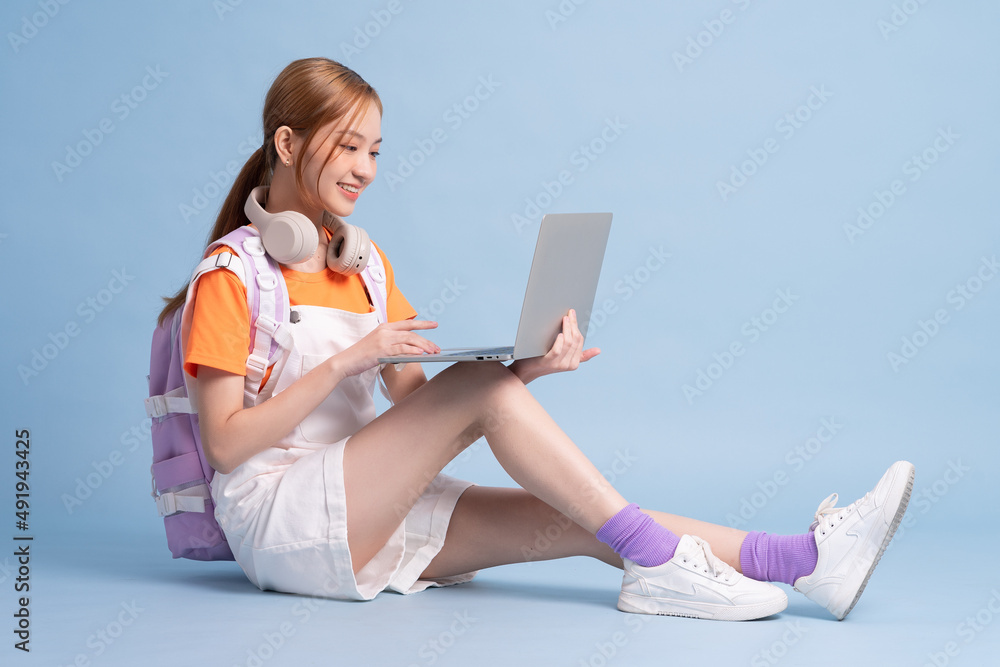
<point x="283" y="511"/>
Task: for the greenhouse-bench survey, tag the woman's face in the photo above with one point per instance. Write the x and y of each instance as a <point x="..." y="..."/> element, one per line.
<point x="345" y="177"/>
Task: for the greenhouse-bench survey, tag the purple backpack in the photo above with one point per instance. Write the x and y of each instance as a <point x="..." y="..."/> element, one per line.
<point x="181" y="475"/>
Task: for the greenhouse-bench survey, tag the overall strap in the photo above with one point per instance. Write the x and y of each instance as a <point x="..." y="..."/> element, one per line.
<point x="374" y="279"/>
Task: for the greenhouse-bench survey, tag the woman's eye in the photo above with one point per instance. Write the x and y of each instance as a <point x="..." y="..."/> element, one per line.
<point x="375" y="154"/>
<point x="349" y="148"/>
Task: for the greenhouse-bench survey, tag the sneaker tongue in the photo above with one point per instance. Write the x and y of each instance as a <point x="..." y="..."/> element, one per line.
<point x="691" y="547"/>
<point x="699" y="551"/>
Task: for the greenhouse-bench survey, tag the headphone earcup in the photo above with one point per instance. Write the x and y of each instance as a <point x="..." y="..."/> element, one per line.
<point x="289" y="237"/>
<point x="349" y="249"/>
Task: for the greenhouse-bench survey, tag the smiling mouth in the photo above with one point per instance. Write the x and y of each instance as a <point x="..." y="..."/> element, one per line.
<point x="353" y="189"/>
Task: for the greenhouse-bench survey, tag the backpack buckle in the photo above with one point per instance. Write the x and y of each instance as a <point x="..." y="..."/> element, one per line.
<point x="267" y="325"/>
<point x="257" y="364"/>
<point x="376" y="272"/>
<point x="266" y="281"/>
<point x="254" y="246"/>
<point x="156" y="406"/>
<point x="187" y="500"/>
<point x="166" y="504"/>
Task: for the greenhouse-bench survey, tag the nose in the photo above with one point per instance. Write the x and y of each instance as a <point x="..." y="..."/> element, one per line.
<point x="364" y="167"/>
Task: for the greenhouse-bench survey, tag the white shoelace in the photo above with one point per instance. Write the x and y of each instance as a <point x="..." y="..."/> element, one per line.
<point x="705" y="560"/>
<point x="827" y="515"/>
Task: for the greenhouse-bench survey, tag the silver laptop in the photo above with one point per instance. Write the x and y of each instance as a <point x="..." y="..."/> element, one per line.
<point x="564" y="274"/>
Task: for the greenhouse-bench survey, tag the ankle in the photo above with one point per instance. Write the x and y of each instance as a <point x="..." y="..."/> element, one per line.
<point x="636" y="536"/>
<point x="782" y="558"/>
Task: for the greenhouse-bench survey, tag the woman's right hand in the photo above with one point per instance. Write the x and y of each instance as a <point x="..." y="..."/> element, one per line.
<point x="386" y="340"/>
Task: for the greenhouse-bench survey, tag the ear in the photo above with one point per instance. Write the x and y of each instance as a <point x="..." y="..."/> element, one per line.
<point x="285" y="143"/>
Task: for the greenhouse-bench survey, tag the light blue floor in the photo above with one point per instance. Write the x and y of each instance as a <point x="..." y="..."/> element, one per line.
<point x="122" y="601"/>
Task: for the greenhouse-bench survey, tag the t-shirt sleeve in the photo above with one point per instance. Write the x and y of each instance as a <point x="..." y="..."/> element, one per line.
<point x="397" y="307"/>
<point x="219" y="334"/>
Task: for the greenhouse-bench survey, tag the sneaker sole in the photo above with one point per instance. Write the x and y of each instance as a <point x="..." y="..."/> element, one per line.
<point x="641" y="604"/>
<point x="900" y="511"/>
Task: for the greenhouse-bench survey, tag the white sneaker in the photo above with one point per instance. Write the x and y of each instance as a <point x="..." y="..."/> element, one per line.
<point x="851" y="540"/>
<point x="696" y="584"/>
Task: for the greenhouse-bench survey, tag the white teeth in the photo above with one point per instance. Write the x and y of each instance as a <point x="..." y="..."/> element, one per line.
<point x="350" y="188"/>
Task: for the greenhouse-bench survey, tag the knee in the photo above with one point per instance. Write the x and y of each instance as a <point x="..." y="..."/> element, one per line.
<point x="486" y="377"/>
<point x="499" y="383"/>
<point x="494" y="389"/>
<point x="490" y="371"/>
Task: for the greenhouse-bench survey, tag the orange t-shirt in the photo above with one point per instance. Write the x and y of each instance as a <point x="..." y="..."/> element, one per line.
<point x="220" y="322"/>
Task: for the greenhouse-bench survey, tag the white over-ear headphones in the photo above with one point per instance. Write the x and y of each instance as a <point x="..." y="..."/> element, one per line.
<point x="290" y="237"/>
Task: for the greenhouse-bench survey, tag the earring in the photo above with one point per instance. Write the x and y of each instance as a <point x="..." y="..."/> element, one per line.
<point x="288" y="163"/>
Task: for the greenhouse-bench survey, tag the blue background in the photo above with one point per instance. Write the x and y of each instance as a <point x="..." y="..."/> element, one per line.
<point x="808" y="112"/>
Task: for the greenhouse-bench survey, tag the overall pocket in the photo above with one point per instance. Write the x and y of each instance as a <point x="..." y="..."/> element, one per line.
<point x="344" y="411"/>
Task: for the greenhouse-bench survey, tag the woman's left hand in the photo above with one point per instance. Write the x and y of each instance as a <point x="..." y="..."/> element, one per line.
<point x="566" y="354"/>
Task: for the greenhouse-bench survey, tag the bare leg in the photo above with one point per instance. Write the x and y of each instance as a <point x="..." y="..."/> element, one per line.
<point x="725" y="541"/>
<point x="493" y="526"/>
<point x="389" y="463"/>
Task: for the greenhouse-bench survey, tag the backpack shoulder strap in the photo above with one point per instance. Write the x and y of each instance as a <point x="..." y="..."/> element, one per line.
<point x="223" y="260"/>
<point x="267" y="302"/>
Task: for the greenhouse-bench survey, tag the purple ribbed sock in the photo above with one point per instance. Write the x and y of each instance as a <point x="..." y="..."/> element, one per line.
<point x="782" y="558"/>
<point x="634" y="534"/>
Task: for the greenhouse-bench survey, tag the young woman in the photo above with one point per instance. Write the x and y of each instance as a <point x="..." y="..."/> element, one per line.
<point x="318" y="496"/>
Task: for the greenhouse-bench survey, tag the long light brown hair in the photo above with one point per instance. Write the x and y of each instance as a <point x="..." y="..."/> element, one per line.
<point x="307" y="95"/>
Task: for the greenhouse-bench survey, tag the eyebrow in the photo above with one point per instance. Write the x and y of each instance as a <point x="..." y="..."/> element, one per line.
<point x="361" y="136"/>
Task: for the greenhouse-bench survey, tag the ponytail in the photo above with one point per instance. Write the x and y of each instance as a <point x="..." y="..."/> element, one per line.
<point x="231" y="217"/>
